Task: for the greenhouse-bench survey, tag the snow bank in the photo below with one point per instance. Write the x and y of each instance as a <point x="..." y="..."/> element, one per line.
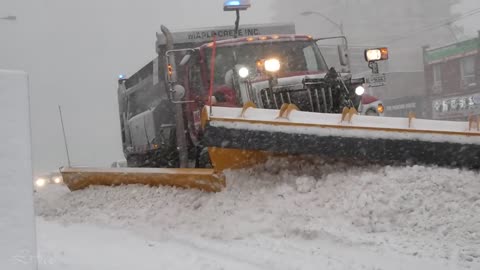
<point x="17" y="224"/>
<point x="416" y="211"/>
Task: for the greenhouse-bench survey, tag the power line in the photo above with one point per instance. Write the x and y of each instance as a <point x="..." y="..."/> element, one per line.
<point x="438" y="25"/>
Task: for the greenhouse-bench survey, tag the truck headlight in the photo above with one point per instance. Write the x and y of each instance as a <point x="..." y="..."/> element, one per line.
<point x="272" y="65"/>
<point x="360" y="90"/>
<point x="243" y="72"/>
<point x="57" y="180"/>
<point x="372" y="55"/>
<point x="40" y="182"/>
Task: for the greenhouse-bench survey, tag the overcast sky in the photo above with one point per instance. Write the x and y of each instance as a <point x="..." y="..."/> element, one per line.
<point x="74" y="50"/>
<point x="471" y="24"/>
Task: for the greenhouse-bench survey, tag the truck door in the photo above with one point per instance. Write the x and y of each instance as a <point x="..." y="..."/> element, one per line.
<point x="195" y="92"/>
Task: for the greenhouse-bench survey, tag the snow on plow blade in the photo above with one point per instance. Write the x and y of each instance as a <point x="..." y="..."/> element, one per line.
<point x="203" y="179"/>
<point x="251" y="135"/>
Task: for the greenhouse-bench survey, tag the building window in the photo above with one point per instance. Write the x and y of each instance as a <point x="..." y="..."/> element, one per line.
<point x="437" y="78"/>
<point x="468" y="72"/>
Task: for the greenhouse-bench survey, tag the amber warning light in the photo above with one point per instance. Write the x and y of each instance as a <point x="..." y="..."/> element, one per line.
<point x="373" y="55"/>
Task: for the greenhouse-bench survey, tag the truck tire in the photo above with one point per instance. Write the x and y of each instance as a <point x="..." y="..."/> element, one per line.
<point x="372" y="113"/>
<point x="203" y="158"/>
<point x="135" y="161"/>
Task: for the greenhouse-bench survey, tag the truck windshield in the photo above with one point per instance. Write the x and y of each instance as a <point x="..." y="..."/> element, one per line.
<point x="296" y="57"/>
<point x="143" y="100"/>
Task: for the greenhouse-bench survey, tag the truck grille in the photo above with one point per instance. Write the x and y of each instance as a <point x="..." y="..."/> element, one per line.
<point x="314" y="96"/>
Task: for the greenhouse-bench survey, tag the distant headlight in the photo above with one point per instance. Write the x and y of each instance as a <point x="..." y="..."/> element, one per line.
<point x="57" y="180"/>
<point x="272" y="65"/>
<point x="40" y="182"/>
<point x="360" y="90"/>
<point x="380" y="108"/>
<point x="243" y="72"/>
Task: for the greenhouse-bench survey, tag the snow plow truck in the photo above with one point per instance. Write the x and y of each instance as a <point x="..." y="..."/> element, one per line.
<point x="211" y="101"/>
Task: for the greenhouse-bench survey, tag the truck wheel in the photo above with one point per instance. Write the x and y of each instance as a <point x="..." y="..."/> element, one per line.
<point x="371" y="113"/>
<point x="134" y="161"/>
<point x="203" y="159"/>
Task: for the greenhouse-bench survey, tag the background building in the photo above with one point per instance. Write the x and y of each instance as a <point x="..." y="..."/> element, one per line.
<point x="403" y="26"/>
<point x="452" y="75"/>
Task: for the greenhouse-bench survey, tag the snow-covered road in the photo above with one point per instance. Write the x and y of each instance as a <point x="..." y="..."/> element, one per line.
<point x="314" y="217"/>
<point x="93" y="247"/>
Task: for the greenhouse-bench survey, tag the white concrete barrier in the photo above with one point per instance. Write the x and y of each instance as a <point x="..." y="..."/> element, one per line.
<point x="17" y="219"/>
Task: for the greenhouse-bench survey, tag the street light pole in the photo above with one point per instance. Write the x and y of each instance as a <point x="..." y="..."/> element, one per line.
<point x="9" y="18"/>
<point x="338" y="25"/>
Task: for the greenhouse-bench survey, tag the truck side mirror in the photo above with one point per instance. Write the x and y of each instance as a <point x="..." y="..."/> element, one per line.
<point x="178" y="92"/>
<point x="343" y="56"/>
<point x="185" y="59"/>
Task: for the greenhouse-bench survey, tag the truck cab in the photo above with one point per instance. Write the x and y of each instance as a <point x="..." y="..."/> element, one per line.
<point x="268" y="70"/>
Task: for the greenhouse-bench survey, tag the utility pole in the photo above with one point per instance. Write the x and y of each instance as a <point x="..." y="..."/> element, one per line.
<point x="338" y="25"/>
<point x="64" y="136"/>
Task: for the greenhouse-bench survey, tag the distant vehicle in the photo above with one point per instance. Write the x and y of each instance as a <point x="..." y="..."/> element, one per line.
<point x="119" y="164"/>
<point x="53" y="178"/>
<point x="371" y="105"/>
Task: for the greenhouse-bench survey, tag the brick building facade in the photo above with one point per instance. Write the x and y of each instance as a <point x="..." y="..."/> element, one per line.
<point x="452" y="76"/>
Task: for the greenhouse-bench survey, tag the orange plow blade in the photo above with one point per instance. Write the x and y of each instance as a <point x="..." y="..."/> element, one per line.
<point x="77" y="178"/>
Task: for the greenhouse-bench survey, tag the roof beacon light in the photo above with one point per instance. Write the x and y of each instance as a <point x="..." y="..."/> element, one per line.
<point x="232" y="5"/>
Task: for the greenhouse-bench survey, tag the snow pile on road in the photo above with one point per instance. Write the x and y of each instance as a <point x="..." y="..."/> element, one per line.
<point x="418" y="211"/>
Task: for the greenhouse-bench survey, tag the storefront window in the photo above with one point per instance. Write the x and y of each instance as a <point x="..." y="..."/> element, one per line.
<point x="437" y="78"/>
<point x="468" y="71"/>
<point x="437" y="73"/>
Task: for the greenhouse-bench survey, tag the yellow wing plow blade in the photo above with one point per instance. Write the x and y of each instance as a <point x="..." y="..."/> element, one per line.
<point x="203" y="179"/>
